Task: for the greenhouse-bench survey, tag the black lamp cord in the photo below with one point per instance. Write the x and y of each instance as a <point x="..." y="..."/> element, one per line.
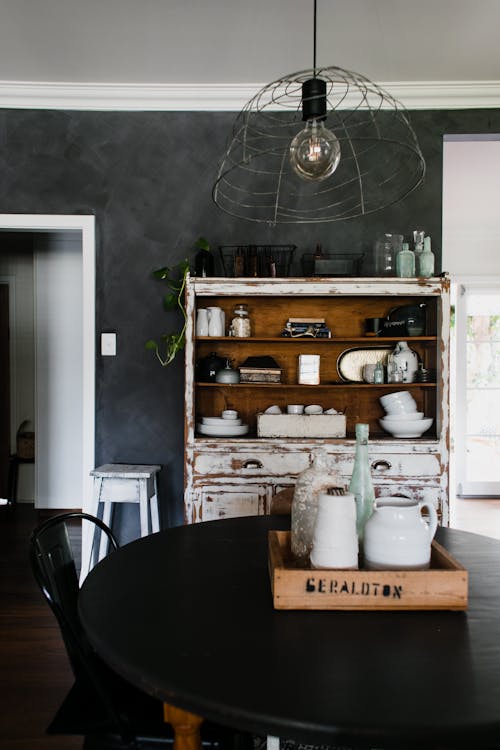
<point x="314" y="41"/>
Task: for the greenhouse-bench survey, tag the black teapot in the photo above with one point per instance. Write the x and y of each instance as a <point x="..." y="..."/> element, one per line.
<point x="208" y="367"/>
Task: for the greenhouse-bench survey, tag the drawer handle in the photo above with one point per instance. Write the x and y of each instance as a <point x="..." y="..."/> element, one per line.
<point x="382" y="465"/>
<point x="252" y="464"/>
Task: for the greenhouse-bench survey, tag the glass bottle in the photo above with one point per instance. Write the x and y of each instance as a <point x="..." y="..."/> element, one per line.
<point x="316" y="479"/>
<point x="405" y="262"/>
<point x="426" y="260"/>
<point x="378" y="373"/>
<point x="386" y="250"/>
<point x="418" y="241"/>
<point x="240" y="324"/>
<point x="361" y="485"/>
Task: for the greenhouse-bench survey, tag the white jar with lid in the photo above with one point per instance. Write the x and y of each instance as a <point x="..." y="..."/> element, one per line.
<point x="240" y="324"/>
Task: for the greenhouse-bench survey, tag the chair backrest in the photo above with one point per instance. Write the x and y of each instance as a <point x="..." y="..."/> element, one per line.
<point x="53" y="564"/>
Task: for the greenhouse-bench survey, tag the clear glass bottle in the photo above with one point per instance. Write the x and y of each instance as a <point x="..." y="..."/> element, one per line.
<point x="378" y="373"/>
<point x="316" y="479"/>
<point x="361" y="485"/>
<point x="426" y="260"/>
<point x="240" y="324"/>
<point x="386" y="250"/>
<point x="418" y="242"/>
<point x="405" y="262"/>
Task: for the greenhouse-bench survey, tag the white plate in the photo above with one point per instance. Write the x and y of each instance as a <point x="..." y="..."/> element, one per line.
<point x="223" y="430"/>
<point x="219" y="420"/>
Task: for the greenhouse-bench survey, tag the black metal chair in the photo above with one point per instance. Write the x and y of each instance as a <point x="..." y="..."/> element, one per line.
<point x="108" y="711"/>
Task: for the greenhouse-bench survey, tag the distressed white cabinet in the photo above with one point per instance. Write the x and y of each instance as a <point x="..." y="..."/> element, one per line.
<point x="239" y="476"/>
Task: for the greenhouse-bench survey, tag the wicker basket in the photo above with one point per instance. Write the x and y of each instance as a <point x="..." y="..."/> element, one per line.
<point x="257" y="260"/>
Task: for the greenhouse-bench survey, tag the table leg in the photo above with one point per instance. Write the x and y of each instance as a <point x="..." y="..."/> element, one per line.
<point x="186" y="727"/>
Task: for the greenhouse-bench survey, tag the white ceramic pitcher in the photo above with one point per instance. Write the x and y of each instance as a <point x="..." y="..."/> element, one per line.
<point x="397" y="537"/>
<point x="216" y="321"/>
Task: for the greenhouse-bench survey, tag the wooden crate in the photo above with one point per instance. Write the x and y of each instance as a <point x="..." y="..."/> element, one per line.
<point x="443" y="586"/>
<point x="301" y="425"/>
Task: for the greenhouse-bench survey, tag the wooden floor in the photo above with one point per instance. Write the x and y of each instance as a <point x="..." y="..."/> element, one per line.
<point x="34" y="670"/>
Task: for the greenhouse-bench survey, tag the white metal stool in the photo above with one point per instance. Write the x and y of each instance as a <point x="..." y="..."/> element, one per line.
<point x="123" y="483"/>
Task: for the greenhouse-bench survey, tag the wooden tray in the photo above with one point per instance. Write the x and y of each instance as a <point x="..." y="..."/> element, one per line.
<point x="443" y="586"/>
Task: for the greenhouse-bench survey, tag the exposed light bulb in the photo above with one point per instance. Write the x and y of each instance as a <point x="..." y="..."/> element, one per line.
<point x="315" y="151"/>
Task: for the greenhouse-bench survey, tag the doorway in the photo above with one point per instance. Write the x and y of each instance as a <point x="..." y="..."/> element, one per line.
<point x="54" y="485"/>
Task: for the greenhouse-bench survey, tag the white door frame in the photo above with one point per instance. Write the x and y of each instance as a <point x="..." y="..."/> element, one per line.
<point x="86" y="225"/>
<point x="491" y="284"/>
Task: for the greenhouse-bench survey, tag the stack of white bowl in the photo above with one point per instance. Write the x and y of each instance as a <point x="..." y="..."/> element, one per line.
<point x="402" y="420"/>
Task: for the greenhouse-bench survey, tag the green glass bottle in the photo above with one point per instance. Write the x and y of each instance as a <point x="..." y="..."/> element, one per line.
<point x="361" y="485"/>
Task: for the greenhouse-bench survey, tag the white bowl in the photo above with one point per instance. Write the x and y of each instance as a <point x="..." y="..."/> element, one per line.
<point x="398" y="398"/>
<point x="273" y="410"/>
<point x="223" y="430"/>
<point x="411" y="428"/>
<point x="295" y="409"/>
<point x="314" y="409"/>
<point x="405" y="415"/>
<point x="229" y="414"/>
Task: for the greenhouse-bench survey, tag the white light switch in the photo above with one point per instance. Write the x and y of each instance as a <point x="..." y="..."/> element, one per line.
<point x="108" y="344"/>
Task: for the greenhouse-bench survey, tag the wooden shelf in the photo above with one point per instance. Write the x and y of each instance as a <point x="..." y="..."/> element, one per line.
<point x="309" y="339"/>
<point x="364" y="386"/>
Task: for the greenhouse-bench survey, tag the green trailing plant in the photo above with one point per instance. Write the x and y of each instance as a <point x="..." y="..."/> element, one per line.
<point x="175" y="279"/>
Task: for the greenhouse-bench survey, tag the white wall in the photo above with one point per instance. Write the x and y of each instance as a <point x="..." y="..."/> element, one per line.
<point x="471" y="208"/>
<point x="59" y="369"/>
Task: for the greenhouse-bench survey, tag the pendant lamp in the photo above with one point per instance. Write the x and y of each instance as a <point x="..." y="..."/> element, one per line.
<point x="320" y="145"/>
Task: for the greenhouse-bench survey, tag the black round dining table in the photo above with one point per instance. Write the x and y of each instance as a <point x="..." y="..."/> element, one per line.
<point x="187" y="615"/>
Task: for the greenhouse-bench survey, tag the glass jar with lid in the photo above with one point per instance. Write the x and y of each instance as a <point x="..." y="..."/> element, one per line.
<point x="240" y="324"/>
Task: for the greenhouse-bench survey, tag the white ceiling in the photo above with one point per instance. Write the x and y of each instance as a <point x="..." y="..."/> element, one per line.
<point x="246" y="41"/>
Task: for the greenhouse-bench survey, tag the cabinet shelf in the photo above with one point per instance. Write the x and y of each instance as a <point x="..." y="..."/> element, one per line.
<point x="286" y="386"/>
<point x="310" y="340"/>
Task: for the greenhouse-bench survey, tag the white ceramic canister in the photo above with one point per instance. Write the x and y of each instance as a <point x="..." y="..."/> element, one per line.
<point x="202" y="322"/>
<point x="397" y="537"/>
<point x="335" y="542"/>
<point x="406" y="361"/>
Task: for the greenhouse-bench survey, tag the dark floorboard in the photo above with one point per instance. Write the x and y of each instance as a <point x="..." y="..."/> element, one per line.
<point x="34" y="670"/>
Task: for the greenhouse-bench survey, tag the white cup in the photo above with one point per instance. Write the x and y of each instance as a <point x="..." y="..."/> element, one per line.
<point x="295" y="409"/>
<point x="335" y="541"/>
<point x="229" y="414"/>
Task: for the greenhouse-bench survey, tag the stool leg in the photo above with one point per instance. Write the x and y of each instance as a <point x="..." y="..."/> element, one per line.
<point x="107" y="515"/>
<point x="143" y="506"/>
<point x="155" y="516"/>
<point x="88" y="535"/>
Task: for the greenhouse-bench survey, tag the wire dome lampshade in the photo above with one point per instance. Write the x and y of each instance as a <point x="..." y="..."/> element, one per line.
<point x="380" y="159"/>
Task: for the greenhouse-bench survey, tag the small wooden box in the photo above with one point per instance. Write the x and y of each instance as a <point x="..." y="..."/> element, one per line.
<point x="443" y="586"/>
<point x="260" y="375"/>
<point x="301" y="425"/>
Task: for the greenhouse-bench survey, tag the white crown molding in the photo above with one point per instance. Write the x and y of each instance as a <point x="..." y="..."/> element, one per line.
<point x="223" y="97"/>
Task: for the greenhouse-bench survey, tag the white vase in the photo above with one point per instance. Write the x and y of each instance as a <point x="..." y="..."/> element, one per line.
<point x="406" y="361"/>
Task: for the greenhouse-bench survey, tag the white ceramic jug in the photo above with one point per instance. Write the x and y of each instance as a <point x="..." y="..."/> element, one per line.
<point x="202" y="322"/>
<point x="215" y="321"/>
<point x="335" y="542"/>
<point x="397" y="537"/>
<point x="406" y="361"/>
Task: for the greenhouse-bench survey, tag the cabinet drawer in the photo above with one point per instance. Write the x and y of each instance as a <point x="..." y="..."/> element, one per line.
<point x="251" y="463"/>
<point x="217" y="502"/>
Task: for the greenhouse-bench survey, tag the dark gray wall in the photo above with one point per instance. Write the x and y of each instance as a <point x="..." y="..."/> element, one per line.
<point x="147" y="177"/>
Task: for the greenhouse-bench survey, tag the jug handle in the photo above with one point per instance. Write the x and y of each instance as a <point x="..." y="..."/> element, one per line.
<point x="433" y="519"/>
